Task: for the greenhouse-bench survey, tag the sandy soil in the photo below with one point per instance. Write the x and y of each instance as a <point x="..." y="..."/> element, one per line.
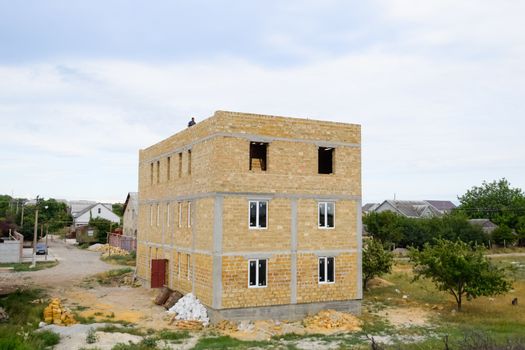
<point x="64" y="281"/>
<point x="406" y="317"/>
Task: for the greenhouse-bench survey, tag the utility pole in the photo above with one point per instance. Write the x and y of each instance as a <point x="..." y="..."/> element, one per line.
<point x="35" y="232"/>
<point x="22" y="222"/>
<point x="47" y="232"/>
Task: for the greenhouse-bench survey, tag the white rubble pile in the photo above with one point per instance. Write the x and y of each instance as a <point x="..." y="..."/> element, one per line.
<point x="95" y="247"/>
<point x="189" y="308"/>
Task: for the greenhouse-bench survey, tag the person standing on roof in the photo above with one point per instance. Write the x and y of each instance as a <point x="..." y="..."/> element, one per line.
<point x="192" y="122"/>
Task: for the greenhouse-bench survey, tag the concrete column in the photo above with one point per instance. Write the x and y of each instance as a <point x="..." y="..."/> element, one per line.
<point x="359" y="237"/>
<point x="193" y="218"/>
<point x="217" y="252"/>
<point x="293" y="253"/>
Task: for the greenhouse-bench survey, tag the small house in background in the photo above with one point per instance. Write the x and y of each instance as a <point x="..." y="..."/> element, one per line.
<point x="369" y="207"/>
<point x="486" y="225"/>
<point x="445" y="207"/>
<point x="129" y="218"/>
<point x="97" y="210"/>
<point x="85" y="234"/>
<point x="413" y="209"/>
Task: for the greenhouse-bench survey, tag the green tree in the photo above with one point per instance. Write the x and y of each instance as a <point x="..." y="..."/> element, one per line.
<point x="51" y="213"/>
<point x="496" y="201"/>
<point x="118" y="208"/>
<point x="102" y="227"/>
<point x="520" y="230"/>
<point x="376" y="260"/>
<point x="385" y="226"/>
<point x="459" y="269"/>
<point x="503" y="235"/>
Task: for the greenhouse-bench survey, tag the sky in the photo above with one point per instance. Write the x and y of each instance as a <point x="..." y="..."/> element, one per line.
<point x="437" y="85"/>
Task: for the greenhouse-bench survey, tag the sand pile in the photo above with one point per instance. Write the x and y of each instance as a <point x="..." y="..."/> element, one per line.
<point x="328" y="321"/>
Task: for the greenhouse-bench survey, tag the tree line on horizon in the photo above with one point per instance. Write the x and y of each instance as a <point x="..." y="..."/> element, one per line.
<point x="496" y="201"/>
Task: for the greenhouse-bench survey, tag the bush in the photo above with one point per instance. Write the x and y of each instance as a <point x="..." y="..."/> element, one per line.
<point x="376" y="261"/>
<point x="503" y="235"/>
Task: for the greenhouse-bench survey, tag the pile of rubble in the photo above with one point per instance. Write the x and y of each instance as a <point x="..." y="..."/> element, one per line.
<point x="331" y="320"/>
<point x="56" y="314"/>
<point x="189" y="308"/>
<point x="108" y="250"/>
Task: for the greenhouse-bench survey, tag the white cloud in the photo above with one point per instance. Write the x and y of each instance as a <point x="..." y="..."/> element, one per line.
<point x="440" y="105"/>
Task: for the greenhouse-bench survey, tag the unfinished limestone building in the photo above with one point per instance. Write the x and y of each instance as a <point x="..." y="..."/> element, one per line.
<point x="259" y="216"/>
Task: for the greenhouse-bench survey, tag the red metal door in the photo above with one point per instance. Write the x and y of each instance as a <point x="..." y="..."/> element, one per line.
<point x="158" y="273"/>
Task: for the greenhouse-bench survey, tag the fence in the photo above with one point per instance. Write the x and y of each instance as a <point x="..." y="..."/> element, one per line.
<point x="124" y="242"/>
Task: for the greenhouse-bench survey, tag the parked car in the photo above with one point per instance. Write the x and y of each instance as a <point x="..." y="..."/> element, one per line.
<point x="41" y="248"/>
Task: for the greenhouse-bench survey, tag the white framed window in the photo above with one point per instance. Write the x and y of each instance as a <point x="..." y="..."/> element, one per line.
<point x="188" y="258"/>
<point x="180" y="214"/>
<point x="326" y="269"/>
<point x="326" y="214"/>
<point x="151" y="215"/>
<point x="168" y="215"/>
<point x="189" y="214"/>
<point x="257" y="273"/>
<point x="158" y="215"/>
<point x="258" y="214"/>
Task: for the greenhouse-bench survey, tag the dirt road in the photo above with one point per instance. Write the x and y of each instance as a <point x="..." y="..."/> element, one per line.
<point x="64" y="281"/>
<point x="74" y="265"/>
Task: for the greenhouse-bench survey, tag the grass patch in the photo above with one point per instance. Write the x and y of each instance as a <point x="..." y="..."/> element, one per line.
<point x="117" y="329"/>
<point x="24" y="267"/>
<point x="112" y="276"/>
<point x="18" y="333"/>
<point x="171" y="335"/>
<point x="126" y="260"/>
<point x="226" y="342"/>
<point x="145" y="344"/>
<point x="494" y="316"/>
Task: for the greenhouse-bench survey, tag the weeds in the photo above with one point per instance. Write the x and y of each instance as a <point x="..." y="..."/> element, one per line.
<point x="91" y="337"/>
<point x="25" y="267"/>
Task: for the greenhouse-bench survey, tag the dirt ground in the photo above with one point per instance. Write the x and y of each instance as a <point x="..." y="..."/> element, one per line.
<point x="64" y="281"/>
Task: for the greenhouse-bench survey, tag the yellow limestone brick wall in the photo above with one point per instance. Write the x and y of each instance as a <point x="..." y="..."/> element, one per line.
<point x="311" y="237"/>
<point x="238" y="237"/>
<point x="220" y="163"/>
<point x="235" y="283"/>
<point x="309" y="289"/>
<point x="292" y="167"/>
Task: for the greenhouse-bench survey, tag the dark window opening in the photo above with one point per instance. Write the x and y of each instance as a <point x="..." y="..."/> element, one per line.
<point x="158" y="172"/>
<point x="189" y="162"/>
<point x="151" y="174"/>
<point x="180" y="164"/>
<point x="169" y="168"/>
<point x="258" y="151"/>
<point x="326" y="160"/>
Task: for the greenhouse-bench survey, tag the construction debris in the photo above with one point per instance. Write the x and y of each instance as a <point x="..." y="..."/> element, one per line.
<point x="189" y="308"/>
<point x="187" y="325"/>
<point x="172" y="300"/>
<point x="331" y="320"/>
<point x="163" y="295"/>
<point x="3" y="315"/>
<point x="55" y="313"/>
<point x="226" y="325"/>
<point x="108" y="250"/>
